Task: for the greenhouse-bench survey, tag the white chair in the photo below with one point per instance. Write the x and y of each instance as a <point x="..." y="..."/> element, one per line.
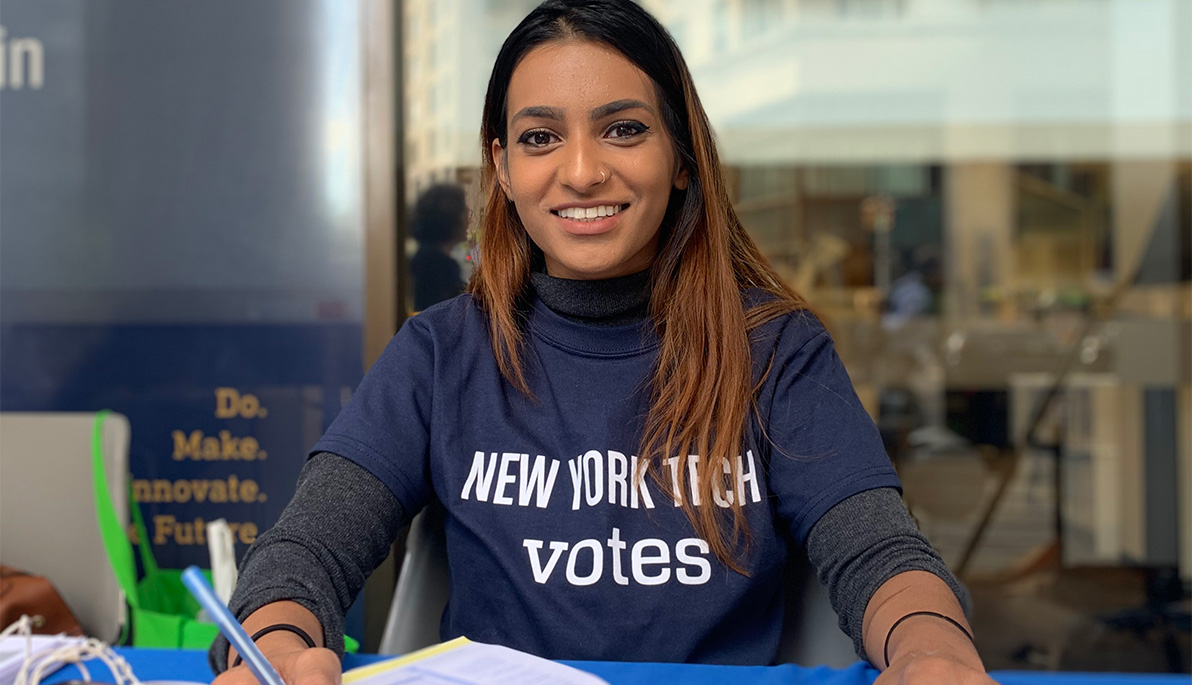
<point x="422" y="588"/>
<point x="47" y="509"/>
<point x="809" y="633"/>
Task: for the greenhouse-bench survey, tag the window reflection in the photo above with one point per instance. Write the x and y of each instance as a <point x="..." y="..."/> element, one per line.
<point x="982" y="199"/>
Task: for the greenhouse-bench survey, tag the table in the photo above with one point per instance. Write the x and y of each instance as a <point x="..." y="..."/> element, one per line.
<point x="163" y="664"/>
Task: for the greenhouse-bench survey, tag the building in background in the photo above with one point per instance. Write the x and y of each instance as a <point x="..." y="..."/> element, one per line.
<point x="448" y="49"/>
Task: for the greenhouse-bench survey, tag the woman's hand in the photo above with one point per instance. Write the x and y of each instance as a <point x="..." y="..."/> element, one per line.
<point x="303" y="666"/>
<point x="920" y="669"/>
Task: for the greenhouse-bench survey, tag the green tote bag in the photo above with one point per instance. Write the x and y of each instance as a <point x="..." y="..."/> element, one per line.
<point x="162" y="612"/>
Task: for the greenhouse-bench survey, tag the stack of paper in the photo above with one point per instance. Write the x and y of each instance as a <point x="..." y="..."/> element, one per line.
<point x="13" y="652"/>
<point x="463" y="662"/>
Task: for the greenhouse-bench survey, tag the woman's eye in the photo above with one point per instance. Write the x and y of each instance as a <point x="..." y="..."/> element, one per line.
<point x="536" y="138"/>
<point x="627" y="129"/>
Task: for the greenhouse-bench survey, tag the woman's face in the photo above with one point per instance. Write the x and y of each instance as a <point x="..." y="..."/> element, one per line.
<point x="589" y="165"/>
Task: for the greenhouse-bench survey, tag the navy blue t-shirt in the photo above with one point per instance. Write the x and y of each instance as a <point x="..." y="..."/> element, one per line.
<point x="554" y="547"/>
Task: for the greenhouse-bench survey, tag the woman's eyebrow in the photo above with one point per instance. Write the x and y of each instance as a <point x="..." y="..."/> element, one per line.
<point x="557" y="113"/>
<point x="539" y="112"/>
<point x="617" y="106"/>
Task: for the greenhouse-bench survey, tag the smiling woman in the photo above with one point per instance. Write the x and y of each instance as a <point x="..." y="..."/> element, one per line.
<point x="628" y="418"/>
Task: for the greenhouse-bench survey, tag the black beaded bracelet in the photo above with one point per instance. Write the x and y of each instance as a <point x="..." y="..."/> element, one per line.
<point x="949" y="619"/>
<point x="288" y="627"/>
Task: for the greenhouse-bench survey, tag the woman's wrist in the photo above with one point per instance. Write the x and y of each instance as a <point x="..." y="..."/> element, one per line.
<point x="279" y="628"/>
<point x="280" y="641"/>
<point x="916" y="613"/>
<point x="261" y="625"/>
<point x="272" y="644"/>
<point x="925" y="635"/>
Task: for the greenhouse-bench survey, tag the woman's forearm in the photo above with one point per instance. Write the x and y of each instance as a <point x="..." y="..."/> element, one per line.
<point x="332" y="534"/>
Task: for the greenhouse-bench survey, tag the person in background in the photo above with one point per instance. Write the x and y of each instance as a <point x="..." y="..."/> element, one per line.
<point x="629" y="418"/>
<point x="439" y="222"/>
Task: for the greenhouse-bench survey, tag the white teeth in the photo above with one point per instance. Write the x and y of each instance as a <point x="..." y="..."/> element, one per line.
<point x="589" y="213"/>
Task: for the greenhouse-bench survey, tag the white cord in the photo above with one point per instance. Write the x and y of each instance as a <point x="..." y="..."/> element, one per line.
<point x="23" y="625"/>
<point x="41" y="664"/>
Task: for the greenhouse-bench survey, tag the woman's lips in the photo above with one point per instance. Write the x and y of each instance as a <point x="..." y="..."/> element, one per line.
<point x="588" y="227"/>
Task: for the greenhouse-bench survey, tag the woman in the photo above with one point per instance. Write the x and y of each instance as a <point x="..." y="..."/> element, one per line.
<point x="628" y="417"/>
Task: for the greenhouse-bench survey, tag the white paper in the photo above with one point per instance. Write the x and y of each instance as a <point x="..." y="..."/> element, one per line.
<point x="12" y="652"/>
<point x="471" y="663"/>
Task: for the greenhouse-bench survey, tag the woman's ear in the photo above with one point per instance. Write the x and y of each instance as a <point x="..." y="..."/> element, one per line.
<point x="682" y="178"/>
<point x="501" y="164"/>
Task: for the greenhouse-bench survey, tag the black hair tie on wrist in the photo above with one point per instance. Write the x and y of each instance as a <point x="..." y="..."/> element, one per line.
<point x="288" y="627"/>
<point x="949" y="619"/>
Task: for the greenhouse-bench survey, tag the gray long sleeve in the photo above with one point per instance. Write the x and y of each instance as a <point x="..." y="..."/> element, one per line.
<point x="861" y="543"/>
<point x="335" y="531"/>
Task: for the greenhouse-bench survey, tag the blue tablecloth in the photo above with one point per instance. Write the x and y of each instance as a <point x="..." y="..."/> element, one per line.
<point x="161" y="664"/>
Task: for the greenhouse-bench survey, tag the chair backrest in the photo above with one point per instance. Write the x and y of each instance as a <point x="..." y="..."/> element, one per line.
<point x="810" y="636"/>
<point x="422" y="588"/>
<point x="47" y="509"/>
<point x="809" y="633"/>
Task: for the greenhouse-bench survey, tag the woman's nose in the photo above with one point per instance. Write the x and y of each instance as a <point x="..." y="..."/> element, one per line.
<point x="582" y="167"/>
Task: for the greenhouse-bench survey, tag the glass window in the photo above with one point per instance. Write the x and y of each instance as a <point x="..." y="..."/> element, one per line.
<point x="983" y="200"/>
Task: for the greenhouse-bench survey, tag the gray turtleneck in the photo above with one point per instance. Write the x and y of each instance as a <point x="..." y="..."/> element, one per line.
<point x="321" y="550"/>
<point x="609" y="302"/>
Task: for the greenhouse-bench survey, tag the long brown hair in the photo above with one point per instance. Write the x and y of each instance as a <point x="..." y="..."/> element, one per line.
<point x="702" y="386"/>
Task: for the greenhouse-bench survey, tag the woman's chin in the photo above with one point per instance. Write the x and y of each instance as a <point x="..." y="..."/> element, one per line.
<point x="591" y="271"/>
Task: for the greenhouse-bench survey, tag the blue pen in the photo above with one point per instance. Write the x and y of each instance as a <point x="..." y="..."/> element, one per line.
<point x="196" y="582"/>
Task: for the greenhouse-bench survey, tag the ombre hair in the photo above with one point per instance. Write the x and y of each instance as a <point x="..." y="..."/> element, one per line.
<point x="702" y="391"/>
